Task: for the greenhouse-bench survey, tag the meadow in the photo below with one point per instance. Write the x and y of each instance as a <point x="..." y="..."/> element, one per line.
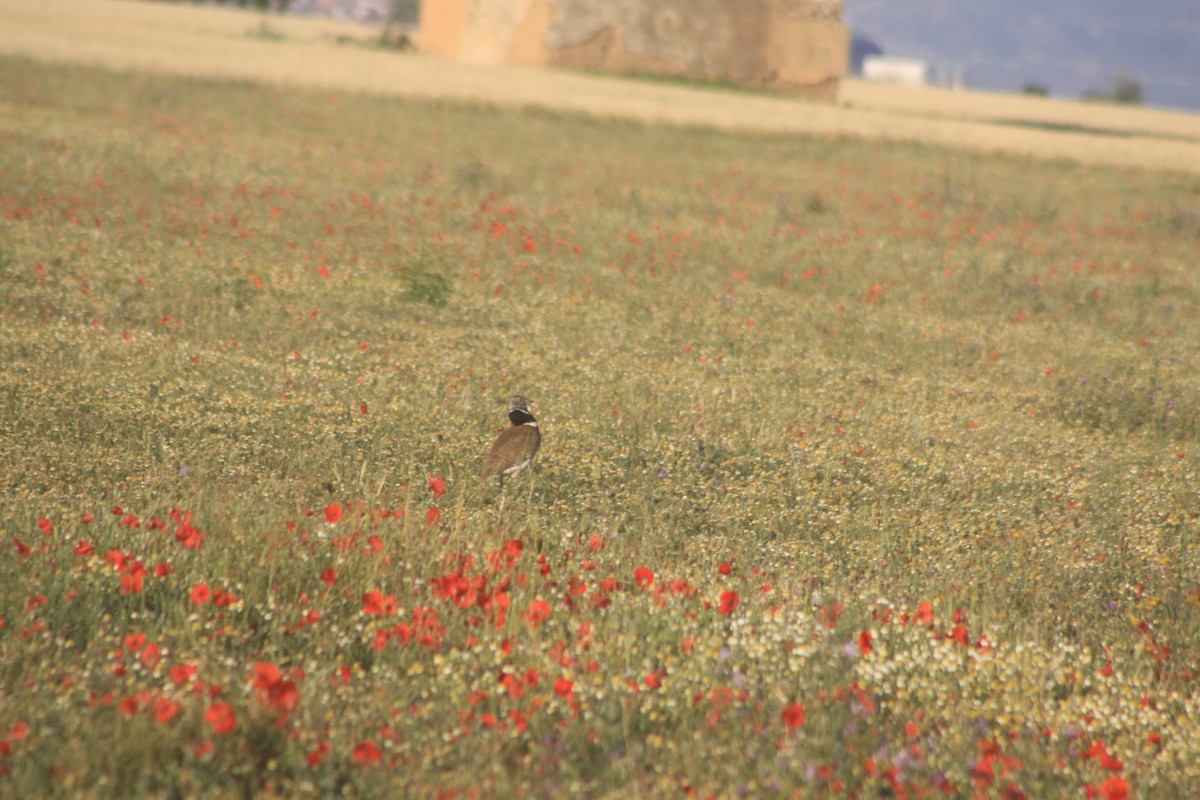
<point x="869" y="468"/>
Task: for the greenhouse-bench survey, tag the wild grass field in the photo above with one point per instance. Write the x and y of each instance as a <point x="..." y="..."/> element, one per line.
<point x="869" y="469"/>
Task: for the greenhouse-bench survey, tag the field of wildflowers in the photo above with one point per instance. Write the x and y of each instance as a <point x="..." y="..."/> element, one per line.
<point x="868" y="470"/>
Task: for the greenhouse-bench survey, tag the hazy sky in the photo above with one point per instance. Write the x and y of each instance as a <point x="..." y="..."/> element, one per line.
<point x="1068" y="46"/>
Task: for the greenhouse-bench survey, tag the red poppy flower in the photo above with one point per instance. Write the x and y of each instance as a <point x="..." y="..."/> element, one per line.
<point x="84" y="549"/>
<point x="322" y="749"/>
<point x="165" y="710"/>
<point x="274" y="690"/>
<point x="433" y="515"/>
<point x="793" y="715"/>
<point x="329" y="576"/>
<point x="1115" y="788"/>
<point x="16" y="733"/>
<point x="128" y="706"/>
<point x="729" y="602"/>
<point x="366" y="753"/>
<point x="924" y="613"/>
<point x="725" y="568"/>
<point x="265" y="674"/>
<point x="46" y="526"/>
<point x="223" y="599"/>
<point x="189" y="537"/>
<point x="333" y="513"/>
<point x="643" y="577"/>
<point x="865" y="643"/>
<point x="1107" y="761"/>
<point x="134" y="642"/>
<point x="221" y="718"/>
<point x="539" y="612"/>
<point x="437" y="486"/>
<point x="376" y="603"/>
<point x="563" y="687"/>
<point x="182" y="673"/>
<point x="201" y="594"/>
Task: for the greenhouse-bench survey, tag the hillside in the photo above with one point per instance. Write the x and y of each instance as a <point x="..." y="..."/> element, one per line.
<point x="1068" y="46"/>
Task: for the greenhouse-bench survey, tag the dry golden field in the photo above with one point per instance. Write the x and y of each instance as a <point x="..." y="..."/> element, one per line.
<point x="336" y="55"/>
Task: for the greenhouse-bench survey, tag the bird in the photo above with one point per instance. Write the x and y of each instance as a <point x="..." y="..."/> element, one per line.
<point x="515" y="448"/>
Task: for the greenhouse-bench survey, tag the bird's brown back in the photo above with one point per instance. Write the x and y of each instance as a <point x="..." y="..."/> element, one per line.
<point x="515" y="446"/>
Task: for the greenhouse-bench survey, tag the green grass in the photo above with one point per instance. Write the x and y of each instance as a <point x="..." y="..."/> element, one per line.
<point x="933" y="402"/>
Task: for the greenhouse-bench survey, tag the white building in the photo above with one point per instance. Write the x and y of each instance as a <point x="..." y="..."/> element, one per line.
<point x="912" y="72"/>
<point x="903" y="71"/>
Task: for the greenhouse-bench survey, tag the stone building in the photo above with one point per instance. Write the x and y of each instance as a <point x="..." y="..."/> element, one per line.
<point x="798" y="46"/>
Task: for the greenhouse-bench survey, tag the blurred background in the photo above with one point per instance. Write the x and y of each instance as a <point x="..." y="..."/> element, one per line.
<point x="1140" y="53"/>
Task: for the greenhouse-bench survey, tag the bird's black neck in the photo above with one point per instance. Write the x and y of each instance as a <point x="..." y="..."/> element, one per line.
<point x="519" y="417"/>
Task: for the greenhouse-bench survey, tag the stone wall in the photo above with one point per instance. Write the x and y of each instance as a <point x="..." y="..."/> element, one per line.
<point x="799" y="46"/>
